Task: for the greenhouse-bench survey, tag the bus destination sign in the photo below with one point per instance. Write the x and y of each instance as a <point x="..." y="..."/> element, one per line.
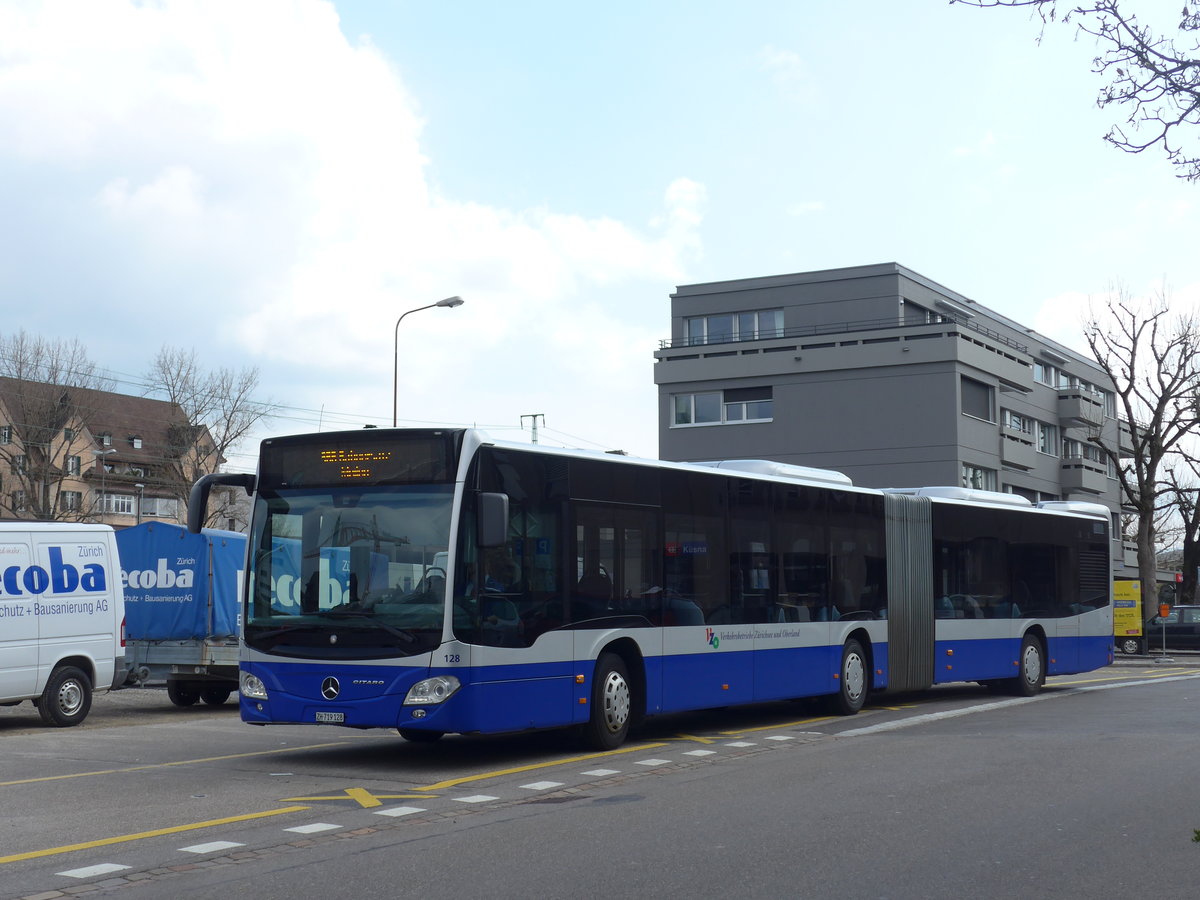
<point x="409" y="457"/>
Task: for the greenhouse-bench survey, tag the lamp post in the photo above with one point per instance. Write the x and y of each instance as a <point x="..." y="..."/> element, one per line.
<point x="450" y="303"/>
<point x="100" y="454"/>
<point x="140" y="488"/>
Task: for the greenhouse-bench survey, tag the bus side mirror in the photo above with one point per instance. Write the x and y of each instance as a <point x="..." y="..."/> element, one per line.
<point x="198" y="498"/>
<point x="493" y="520"/>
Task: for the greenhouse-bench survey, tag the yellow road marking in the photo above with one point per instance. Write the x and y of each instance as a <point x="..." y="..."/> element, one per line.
<point x="691" y="738"/>
<point x="483" y="776"/>
<point x="178" y="762"/>
<point x="777" y="726"/>
<point x="159" y="832"/>
<point x="361" y="796"/>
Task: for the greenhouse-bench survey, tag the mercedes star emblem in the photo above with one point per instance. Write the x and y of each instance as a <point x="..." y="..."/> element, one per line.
<point x="330" y="688"/>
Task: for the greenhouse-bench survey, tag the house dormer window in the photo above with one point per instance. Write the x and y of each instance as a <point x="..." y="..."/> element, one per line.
<point x="135" y="442"/>
<point x="106" y="439"/>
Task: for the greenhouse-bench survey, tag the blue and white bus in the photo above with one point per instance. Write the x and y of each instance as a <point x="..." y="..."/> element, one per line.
<point x="436" y="581"/>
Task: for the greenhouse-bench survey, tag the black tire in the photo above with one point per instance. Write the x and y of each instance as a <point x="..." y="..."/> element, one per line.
<point x="1031" y="666"/>
<point x="420" y="737"/>
<point x="612" y="705"/>
<point x="66" y="699"/>
<point x="182" y="694"/>
<point x="214" y="696"/>
<point x="1130" y="645"/>
<point x="853" y="680"/>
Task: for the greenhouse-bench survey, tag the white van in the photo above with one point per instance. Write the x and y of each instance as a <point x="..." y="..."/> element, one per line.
<point x="62" y="617"/>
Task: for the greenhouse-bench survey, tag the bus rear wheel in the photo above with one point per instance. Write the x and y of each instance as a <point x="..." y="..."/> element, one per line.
<point x="1032" y="668"/>
<point x="853" y="680"/>
<point x="612" y="704"/>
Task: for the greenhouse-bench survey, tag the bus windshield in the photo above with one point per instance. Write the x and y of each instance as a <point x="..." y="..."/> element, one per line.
<point x="355" y="572"/>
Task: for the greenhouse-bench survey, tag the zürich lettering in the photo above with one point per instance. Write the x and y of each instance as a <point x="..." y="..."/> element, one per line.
<point x="63" y="578"/>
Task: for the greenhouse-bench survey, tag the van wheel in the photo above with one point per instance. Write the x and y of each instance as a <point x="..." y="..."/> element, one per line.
<point x="182" y="694"/>
<point x="66" y="699"/>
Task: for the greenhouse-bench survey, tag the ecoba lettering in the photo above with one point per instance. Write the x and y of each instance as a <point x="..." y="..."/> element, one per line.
<point x="63" y="578"/>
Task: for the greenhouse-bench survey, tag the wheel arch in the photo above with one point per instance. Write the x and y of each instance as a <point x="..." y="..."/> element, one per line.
<point x="864" y="640"/>
<point x="83" y="663"/>
<point x="635" y="666"/>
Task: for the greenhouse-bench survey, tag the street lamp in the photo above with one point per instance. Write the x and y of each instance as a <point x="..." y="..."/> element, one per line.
<point x="449" y="302"/>
<point x="140" y="487"/>
<point x="100" y="454"/>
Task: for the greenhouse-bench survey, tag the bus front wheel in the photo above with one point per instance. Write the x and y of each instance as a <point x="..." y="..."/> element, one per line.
<point x="852" y="680"/>
<point x="420" y="737"/>
<point x="1032" y="665"/>
<point x="612" y="704"/>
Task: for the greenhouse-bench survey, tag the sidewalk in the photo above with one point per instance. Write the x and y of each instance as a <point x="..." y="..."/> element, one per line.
<point x="1155" y="658"/>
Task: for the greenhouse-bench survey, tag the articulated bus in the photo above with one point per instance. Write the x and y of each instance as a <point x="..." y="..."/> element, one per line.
<point x="436" y="581"/>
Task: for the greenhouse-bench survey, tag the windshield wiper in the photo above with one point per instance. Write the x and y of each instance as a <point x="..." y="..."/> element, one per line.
<point x="406" y="636"/>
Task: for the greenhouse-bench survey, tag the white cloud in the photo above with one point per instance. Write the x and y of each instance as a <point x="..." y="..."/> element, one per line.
<point x="788" y="70"/>
<point x="273" y="173"/>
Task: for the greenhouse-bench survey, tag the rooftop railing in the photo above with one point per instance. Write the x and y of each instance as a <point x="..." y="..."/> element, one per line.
<point x="834" y="328"/>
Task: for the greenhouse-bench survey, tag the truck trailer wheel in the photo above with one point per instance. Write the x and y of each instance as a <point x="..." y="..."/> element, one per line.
<point x="66" y="699"/>
<point x="182" y="694"/>
<point x="215" y="696"/>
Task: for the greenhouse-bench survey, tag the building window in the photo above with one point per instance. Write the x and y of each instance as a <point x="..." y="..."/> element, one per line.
<point x="73" y="465"/>
<point x="70" y="501"/>
<point x="106" y="439"/>
<point x="1016" y="422"/>
<point x="728" y="327"/>
<point x="135" y="442"/>
<point x="5" y="434"/>
<point x="697" y="409"/>
<point x="1047" y="441"/>
<point x="1073" y="449"/>
<point x="161" y="507"/>
<point x="978" y="478"/>
<point x="748" y="404"/>
<point x="19" y="461"/>
<point x="978" y="399"/>
<point x="118" y="503"/>
<point x="723" y="407"/>
<point x="19" y="501"/>
<point x="68" y="434"/>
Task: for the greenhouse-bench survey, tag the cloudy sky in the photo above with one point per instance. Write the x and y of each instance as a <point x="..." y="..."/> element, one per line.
<point x="274" y="182"/>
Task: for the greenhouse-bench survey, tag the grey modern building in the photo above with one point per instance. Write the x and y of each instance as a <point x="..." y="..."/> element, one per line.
<point x="889" y="377"/>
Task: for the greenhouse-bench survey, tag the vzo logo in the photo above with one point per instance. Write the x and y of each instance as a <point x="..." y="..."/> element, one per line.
<point x="713" y="640"/>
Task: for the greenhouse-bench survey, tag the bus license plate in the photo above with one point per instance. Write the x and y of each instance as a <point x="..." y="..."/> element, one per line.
<point x="331" y="717"/>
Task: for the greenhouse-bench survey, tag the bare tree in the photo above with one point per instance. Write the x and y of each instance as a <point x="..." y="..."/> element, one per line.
<point x="1183" y="492"/>
<point x="44" y="388"/>
<point x="220" y="410"/>
<point x="1151" y="356"/>
<point x="1155" y="81"/>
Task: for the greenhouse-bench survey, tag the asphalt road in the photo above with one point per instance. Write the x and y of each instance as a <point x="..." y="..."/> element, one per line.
<point x="950" y="793"/>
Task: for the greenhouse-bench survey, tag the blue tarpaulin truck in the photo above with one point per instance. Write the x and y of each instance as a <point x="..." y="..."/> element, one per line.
<point x="181" y="609"/>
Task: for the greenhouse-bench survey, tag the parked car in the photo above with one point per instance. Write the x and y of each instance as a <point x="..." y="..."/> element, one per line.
<point x="1181" y="628"/>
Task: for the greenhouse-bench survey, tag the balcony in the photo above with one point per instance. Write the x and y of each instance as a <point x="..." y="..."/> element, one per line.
<point x="1018" y="453"/>
<point x="1083" y="475"/>
<point x="1077" y="407"/>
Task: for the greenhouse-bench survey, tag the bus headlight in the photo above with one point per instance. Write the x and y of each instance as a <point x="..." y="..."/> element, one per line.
<point x="432" y="690"/>
<point x="251" y="686"/>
